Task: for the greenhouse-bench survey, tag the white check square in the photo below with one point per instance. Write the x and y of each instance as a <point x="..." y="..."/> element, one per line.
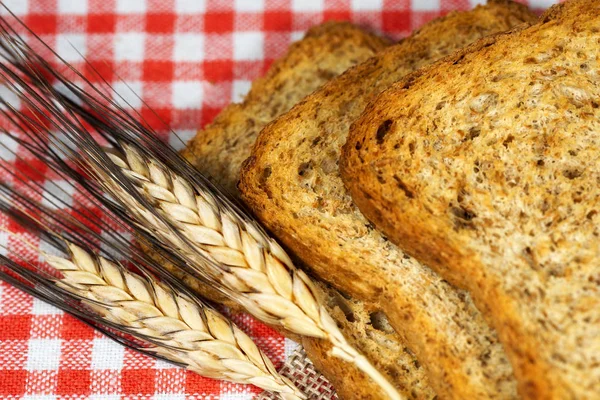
<point x="169" y="396"/>
<point x="3" y="250"/>
<point x="8" y="148"/>
<point x="72" y="47"/>
<point x="161" y="364"/>
<point x="367" y="5"/>
<point x="425" y="5"/>
<point x="249" y="5"/>
<point x="179" y="139"/>
<point x="129" y="46"/>
<point x="190" y="6"/>
<point x="58" y="194"/>
<point x="541" y="3"/>
<point x="248" y="46"/>
<point x="297" y="35"/>
<point x="43" y="354"/>
<point x="131" y="6"/>
<point x="104" y="397"/>
<point x="236" y="396"/>
<point x="289" y="346"/>
<point x="239" y="90"/>
<point x="79" y="7"/>
<point x="189" y="47"/>
<point x="307" y="5"/>
<point x="42" y="308"/>
<point x="128" y="94"/>
<point x="10" y="97"/>
<point x="107" y="354"/>
<point x="18" y="7"/>
<point x="187" y="94"/>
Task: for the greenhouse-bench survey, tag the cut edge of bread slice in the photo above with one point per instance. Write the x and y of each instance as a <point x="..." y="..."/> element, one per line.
<point x="489" y="181"/>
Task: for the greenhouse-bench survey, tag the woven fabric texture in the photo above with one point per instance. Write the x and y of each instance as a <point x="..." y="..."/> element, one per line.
<point x="186" y="60"/>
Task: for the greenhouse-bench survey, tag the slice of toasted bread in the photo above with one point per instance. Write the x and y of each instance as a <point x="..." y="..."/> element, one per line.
<point x="486" y="167"/>
<point x="326" y="51"/>
<point x="292" y="183"/>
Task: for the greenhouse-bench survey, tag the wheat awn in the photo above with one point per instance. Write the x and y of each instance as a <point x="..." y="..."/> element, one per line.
<point x="171" y="203"/>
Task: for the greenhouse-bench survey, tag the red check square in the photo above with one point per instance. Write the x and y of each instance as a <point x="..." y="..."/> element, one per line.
<point x="158" y="71"/>
<point x="336" y="15"/>
<point x="74" y="329"/>
<point x="157" y="117"/>
<point x="13" y="382"/>
<point x="276" y="21"/>
<point x="43" y="24"/>
<point x="218" y="22"/>
<point x="101" y="23"/>
<point x="73" y="382"/>
<point x="396" y="21"/>
<point x="218" y="71"/>
<point x="160" y="23"/>
<point x="138" y="381"/>
<point x="99" y="71"/>
<point x="15" y="327"/>
<point x="196" y="384"/>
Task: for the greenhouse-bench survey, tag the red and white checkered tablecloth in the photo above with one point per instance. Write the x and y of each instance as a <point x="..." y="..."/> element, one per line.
<point x="186" y="59"/>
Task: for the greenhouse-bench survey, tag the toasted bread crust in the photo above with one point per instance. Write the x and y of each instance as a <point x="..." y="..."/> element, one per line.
<point x="484" y="166"/>
<point x="292" y="183"/>
<point x="326" y="50"/>
<point x="220" y="148"/>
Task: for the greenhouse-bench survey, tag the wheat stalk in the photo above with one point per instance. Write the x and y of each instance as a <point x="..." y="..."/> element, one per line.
<point x="252" y="267"/>
<point x="186" y="331"/>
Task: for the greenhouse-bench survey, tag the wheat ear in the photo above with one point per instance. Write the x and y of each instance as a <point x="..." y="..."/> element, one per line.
<point x="250" y="265"/>
<point x="182" y="329"/>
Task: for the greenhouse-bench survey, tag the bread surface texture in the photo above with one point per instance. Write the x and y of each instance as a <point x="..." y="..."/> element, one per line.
<point x="367" y="329"/>
<point x="292" y="183"/>
<point x="288" y="81"/>
<point x="486" y="167"/>
<point x="326" y="51"/>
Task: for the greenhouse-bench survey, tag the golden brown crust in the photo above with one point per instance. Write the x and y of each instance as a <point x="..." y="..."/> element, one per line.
<point x="480" y="167"/>
<point x="292" y="183"/>
<point x="220" y="148"/>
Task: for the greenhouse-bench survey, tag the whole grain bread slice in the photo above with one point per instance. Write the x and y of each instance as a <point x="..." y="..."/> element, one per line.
<point x="292" y="183"/>
<point x="486" y="167"/>
<point x="327" y="50"/>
